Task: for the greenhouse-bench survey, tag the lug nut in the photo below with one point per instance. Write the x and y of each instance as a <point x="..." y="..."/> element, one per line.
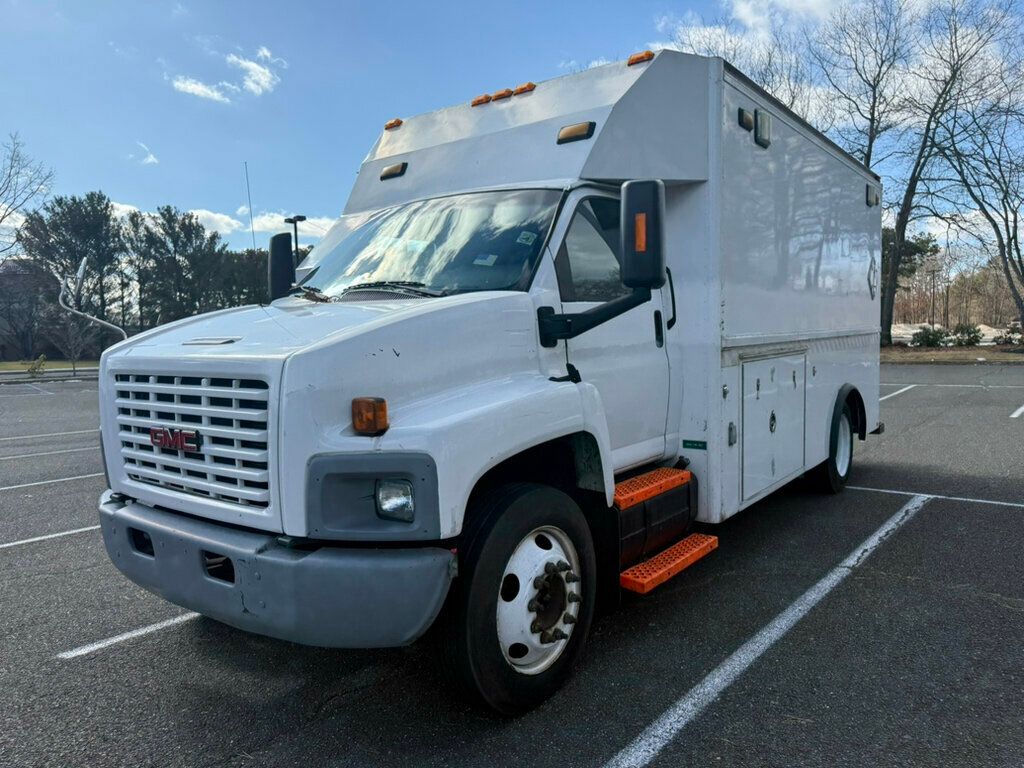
<point x="571" y="578"/>
<point x="550" y="568"/>
<point x="558" y="634"/>
<point x="546" y="637"/>
<point x="563" y="566"/>
<point x="539" y="582"/>
<point x="568" y="619"/>
<point x="535" y="627"/>
<point x="574" y="598"/>
<point x="532" y="606"/>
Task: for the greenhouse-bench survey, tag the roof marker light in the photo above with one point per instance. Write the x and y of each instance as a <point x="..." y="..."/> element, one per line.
<point x="393" y="123"/>
<point x="640" y="58"/>
<point x="393" y="171"/>
<point x="519" y="90"/>
<point x="504" y="93"/>
<point x="483" y="99"/>
<point x="577" y="132"/>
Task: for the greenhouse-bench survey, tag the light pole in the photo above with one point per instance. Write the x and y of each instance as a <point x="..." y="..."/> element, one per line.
<point x="294" y="221"/>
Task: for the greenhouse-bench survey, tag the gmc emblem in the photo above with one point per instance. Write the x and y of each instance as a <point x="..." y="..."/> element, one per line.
<point x="176" y="439"/>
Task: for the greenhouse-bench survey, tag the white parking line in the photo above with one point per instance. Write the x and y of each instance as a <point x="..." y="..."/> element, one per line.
<point x="1018" y="413"/>
<point x="991" y="502"/>
<point x="34" y="539"/>
<point x="100" y="645"/>
<point x="38" y="389"/>
<point x="47" y="482"/>
<point x="49" y="453"/>
<point x="661" y="732"/>
<point x="969" y="386"/>
<point x="897" y="392"/>
<point x="50" y="434"/>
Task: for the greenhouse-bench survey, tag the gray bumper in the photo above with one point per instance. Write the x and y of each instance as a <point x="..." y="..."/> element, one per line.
<point x="331" y="597"/>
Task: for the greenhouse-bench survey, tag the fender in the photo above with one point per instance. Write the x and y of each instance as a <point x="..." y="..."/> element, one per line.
<point x="458" y="429"/>
<point x="857" y="406"/>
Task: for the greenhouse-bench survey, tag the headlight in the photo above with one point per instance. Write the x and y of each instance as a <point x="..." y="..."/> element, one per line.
<point x="395" y="501"/>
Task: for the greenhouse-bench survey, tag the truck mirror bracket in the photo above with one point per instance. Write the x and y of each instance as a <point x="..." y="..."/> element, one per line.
<point x="554" y="327"/>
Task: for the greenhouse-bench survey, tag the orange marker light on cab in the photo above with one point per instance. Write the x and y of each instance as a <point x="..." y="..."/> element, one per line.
<point x="370" y="416"/>
<point x="639" y="58"/>
<point x="393" y="123"/>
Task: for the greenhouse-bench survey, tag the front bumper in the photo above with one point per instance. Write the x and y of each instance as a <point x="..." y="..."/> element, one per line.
<point x="332" y="597"/>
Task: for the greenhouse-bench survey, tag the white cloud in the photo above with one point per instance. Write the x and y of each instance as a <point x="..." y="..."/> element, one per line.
<point x="121" y="210"/>
<point x="149" y="158"/>
<point x="216" y="222"/>
<point x="572" y="65"/>
<point x="196" y="88"/>
<point x="243" y="210"/>
<point x="257" y="78"/>
<point x="270" y="222"/>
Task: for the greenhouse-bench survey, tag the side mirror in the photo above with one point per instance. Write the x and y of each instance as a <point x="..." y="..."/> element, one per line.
<point x="281" y="265"/>
<point x="643" y="234"/>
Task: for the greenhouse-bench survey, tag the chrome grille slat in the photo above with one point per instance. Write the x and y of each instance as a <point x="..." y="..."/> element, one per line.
<point x="230" y="413"/>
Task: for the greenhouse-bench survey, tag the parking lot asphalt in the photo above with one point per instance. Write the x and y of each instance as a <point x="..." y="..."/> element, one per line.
<point x="911" y="656"/>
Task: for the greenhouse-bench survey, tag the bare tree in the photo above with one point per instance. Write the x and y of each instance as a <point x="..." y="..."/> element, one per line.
<point x="860" y="53"/>
<point x="956" y="37"/>
<point x="70" y="334"/>
<point x="981" y="141"/>
<point x="23" y="182"/>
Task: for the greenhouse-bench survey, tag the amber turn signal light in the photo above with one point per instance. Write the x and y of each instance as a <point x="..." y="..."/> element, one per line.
<point x="484" y="99"/>
<point x="576" y="132"/>
<point x="640" y="233"/>
<point x="504" y="93"/>
<point x="394" y="123"/>
<point x="523" y="88"/>
<point x="370" y="416"/>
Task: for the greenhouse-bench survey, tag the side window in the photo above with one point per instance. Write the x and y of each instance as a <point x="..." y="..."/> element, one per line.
<point x="588" y="261"/>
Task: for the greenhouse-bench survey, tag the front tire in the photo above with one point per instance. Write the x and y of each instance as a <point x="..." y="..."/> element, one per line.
<point x="520" y="611"/>
<point x="832" y="474"/>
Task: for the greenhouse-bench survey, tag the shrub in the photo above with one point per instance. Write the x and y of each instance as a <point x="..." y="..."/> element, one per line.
<point x="966" y="335"/>
<point x="930" y="337"/>
<point x="1010" y="337"/>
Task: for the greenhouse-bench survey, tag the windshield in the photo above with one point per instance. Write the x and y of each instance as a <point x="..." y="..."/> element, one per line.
<point x="476" y="242"/>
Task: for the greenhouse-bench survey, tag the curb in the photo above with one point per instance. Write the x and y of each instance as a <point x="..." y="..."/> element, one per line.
<point x="84" y="376"/>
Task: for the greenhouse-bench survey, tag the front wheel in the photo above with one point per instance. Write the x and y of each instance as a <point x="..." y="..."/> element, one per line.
<point x="832" y="474"/>
<point x="521" y="608"/>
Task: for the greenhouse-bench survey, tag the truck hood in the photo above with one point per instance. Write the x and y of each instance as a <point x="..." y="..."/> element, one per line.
<point x="273" y="331"/>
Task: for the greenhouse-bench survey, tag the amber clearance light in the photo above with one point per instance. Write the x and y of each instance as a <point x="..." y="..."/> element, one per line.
<point x="370" y="415"/>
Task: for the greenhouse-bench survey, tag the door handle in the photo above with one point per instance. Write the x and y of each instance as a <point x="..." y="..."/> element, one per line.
<point x="659" y="329"/>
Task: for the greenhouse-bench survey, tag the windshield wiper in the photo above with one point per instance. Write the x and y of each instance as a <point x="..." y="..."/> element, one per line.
<point x="312" y="293"/>
<point x="409" y="286"/>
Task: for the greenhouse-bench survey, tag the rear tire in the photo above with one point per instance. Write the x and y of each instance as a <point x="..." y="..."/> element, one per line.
<point x="504" y="636"/>
<point x="831" y="475"/>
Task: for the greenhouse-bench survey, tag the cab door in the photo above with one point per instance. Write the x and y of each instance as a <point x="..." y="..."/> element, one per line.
<point x="625" y="359"/>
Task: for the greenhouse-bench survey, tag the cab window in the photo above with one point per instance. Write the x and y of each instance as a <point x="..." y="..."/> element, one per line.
<point x="588" y="261"/>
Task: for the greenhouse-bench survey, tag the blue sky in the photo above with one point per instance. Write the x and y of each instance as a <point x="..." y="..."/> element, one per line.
<point x="161" y="102"/>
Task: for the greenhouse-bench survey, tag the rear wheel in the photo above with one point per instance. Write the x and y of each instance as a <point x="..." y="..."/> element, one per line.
<point x="521" y="608"/>
<point x="832" y="474"/>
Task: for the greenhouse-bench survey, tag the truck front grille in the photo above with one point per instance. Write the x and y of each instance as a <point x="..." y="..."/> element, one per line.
<point x="229" y="414"/>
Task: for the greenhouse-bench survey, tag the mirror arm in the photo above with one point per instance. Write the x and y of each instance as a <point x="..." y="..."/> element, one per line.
<point x="567" y="326"/>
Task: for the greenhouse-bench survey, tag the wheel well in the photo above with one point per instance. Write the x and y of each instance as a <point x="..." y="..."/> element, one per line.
<point x="573" y="465"/>
<point x="569" y="463"/>
<point x="856" y="403"/>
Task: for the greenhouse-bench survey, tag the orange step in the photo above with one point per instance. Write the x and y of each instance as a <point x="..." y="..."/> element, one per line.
<point x="638" y="489"/>
<point x="645" y="576"/>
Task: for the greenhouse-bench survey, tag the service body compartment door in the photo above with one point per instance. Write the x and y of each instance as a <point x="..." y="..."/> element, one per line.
<point x="773" y="421"/>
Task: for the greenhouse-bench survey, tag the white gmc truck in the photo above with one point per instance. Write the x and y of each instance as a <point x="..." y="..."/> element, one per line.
<point x="553" y="327"/>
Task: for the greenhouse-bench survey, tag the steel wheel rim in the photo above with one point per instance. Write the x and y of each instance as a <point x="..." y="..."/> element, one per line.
<point x="533" y="632"/>
<point x="844" y="450"/>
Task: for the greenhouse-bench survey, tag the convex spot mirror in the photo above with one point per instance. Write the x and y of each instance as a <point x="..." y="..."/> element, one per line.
<point x="643" y="234"/>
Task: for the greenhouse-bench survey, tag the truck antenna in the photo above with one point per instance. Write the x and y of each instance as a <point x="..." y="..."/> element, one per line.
<point x="248" y="194"/>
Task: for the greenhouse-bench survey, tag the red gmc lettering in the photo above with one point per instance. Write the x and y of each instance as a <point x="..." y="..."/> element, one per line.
<point x="174" y="439"/>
